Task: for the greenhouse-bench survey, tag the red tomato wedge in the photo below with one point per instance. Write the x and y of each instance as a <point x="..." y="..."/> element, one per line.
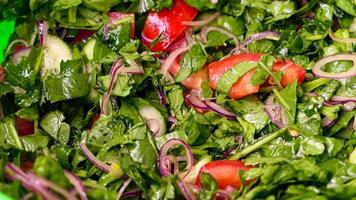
<point x="194" y="81"/>
<point x="166" y="25"/>
<point x="24" y="127"/>
<point x="243" y="87"/>
<point x="291" y="71"/>
<point x="225" y="172"/>
<point x="217" y="69"/>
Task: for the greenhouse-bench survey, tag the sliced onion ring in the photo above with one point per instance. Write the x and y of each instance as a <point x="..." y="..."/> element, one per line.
<point x="350" y="73"/>
<point x="154" y="126"/>
<point x="21" y="53"/>
<point x="343" y="99"/>
<point x="188" y="190"/>
<point x="275" y="112"/>
<point x="260" y="36"/>
<point x="193" y="100"/>
<point x="327" y="123"/>
<point x="165" y="161"/>
<point x="15" y="173"/>
<point x="43" y="32"/>
<point x="220" y="110"/>
<point x="343" y="40"/>
<point x="202" y="22"/>
<point x="77" y="183"/>
<point x="169" y="61"/>
<point x="113" y="76"/>
<point x="91" y="157"/>
<point x="123" y="188"/>
<point x="206" y="30"/>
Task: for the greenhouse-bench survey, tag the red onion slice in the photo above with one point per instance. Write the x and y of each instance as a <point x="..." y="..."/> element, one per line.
<point x="220" y="110"/>
<point x="113" y="73"/>
<point x="275" y="112"/>
<point x="51" y="185"/>
<point x="123" y="188"/>
<point x="343" y="99"/>
<point x="260" y="36"/>
<point x="15" y="173"/>
<point x="343" y="40"/>
<point x="136" y="69"/>
<point x="189" y="191"/>
<point x="222" y="195"/>
<point x="154" y="126"/>
<point x="206" y="30"/>
<point x="132" y="193"/>
<point x="350" y="73"/>
<point x="193" y="100"/>
<point x="162" y="97"/>
<point x="327" y="123"/>
<point x="202" y="22"/>
<point x="169" y="61"/>
<point x="43" y="32"/>
<point x="21" y="53"/>
<point x="166" y="161"/>
<point x="91" y="157"/>
<point x="77" y="183"/>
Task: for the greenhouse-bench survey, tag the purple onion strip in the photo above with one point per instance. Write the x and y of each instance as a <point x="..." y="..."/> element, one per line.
<point x="91" y="157"/>
<point x="77" y="183"/>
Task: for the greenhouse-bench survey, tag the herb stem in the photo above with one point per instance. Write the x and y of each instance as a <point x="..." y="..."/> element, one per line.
<point x="261" y="64"/>
<point x="257" y="145"/>
<point x="280" y="98"/>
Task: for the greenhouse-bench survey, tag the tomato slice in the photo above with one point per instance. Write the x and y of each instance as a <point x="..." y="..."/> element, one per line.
<point x="243" y="86"/>
<point x="291" y="71"/>
<point x="217" y="69"/>
<point x="24" y="127"/>
<point x="166" y="25"/>
<point x="193" y="82"/>
<point x="225" y="172"/>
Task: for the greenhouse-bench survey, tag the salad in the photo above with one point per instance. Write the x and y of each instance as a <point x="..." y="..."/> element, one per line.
<point x="179" y="99"/>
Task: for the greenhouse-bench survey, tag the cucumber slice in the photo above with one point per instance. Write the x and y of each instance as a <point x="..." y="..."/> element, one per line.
<point x="89" y="49"/>
<point x="154" y="119"/>
<point x="55" y="52"/>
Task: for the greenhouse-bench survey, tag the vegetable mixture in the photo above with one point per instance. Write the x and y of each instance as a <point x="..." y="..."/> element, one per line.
<point x="179" y="99"/>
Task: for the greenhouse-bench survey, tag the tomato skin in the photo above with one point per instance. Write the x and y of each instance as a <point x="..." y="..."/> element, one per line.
<point x="193" y="82"/>
<point x="243" y="87"/>
<point x="217" y="69"/>
<point x="24" y="127"/>
<point x="291" y="71"/>
<point x="225" y="172"/>
<point x="169" y="23"/>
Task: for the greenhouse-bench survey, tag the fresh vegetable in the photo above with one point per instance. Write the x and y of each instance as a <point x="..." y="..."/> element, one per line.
<point x="178" y="99"/>
<point x="225" y="172"/>
<point x="164" y="27"/>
